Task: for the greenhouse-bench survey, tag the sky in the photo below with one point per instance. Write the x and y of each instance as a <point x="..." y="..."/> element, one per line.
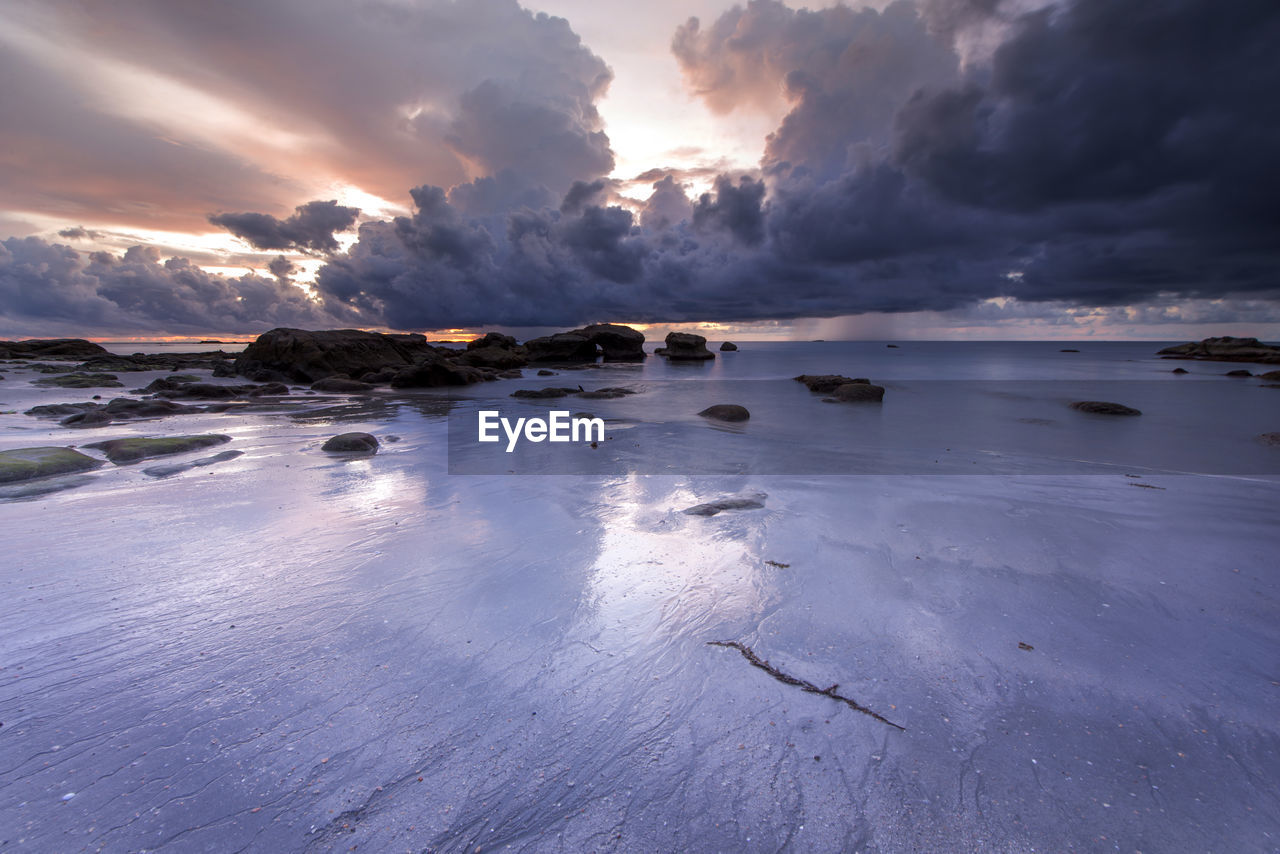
<point x="992" y="169"/>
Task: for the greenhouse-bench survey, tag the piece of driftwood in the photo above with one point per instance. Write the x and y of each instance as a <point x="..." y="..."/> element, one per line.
<point x="803" y="685"/>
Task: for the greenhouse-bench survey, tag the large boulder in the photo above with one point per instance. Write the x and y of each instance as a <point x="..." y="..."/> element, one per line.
<point x="685" y="346"/>
<point x="500" y="358"/>
<point x="561" y="347"/>
<point x="306" y="356"/>
<point x="28" y="463"/>
<point x="493" y="339"/>
<point x="728" y="347"/>
<point x="44" y="348"/>
<point x="79" y="380"/>
<point x="1225" y="349"/>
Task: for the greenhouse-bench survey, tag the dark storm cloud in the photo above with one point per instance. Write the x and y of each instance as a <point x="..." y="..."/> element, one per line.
<point x="51" y="286"/>
<point x="311" y="228"/>
<point x="1103" y="155"/>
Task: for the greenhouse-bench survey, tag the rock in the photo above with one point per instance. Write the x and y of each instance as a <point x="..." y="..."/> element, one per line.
<point x="351" y="443"/>
<point x="178" y="468"/>
<point x="125" y="408"/>
<point x="1240" y="373"/>
<point x="686" y="347"/>
<point x="307" y="356"/>
<point x="29" y="463"/>
<point x="726" y="412"/>
<point x="338" y="384"/>
<point x="545" y="373"/>
<point x="78" y="380"/>
<point x="171" y="390"/>
<point x="617" y="343"/>
<point x="549" y="391"/>
<point x="606" y="393"/>
<point x="1225" y="349"/>
<point x="434" y="371"/>
<point x="728" y="347"/>
<point x="826" y="383"/>
<point x="711" y="508"/>
<point x="1102" y="407"/>
<point x="224" y="368"/>
<point x="121" y="451"/>
<point x="385" y="375"/>
<point x="1185" y="371"/>
<point x="1270" y="376"/>
<point x="561" y="347"/>
<point x="89" y="418"/>
<point x="493" y="357"/>
<point x="512" y="374"/>
<point x="858" y="393"/>
<point x="493" y="339"/>
<point x="43" y="348"/>
<point x="1069" y="350"/>
<point x="1270" y="439"/>
<point x="892" y="346"/>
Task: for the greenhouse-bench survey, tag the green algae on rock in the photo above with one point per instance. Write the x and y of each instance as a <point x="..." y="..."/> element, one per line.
<point x="29" y="463"/>
<point x="121" y="451"/>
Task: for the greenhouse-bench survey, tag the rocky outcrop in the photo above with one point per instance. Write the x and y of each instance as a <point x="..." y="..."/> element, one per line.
<point x="617" y="343"/>
<point x="1270" y="376"/>
<point x="170" y="389"/>
<point x="121" y="409"/>
<point x="306" y="356"/>
<point x="500" y="358"/>
<point x="1225" y="349"/>
<point x="1239" y="373"/>
<point x="51" y="348"/>
<point x="728" y="347"/>
<point x="726" y="412"/>
<point x="122" y="451"/>
<point x="351" y="443"/>
<point x="685" y="347"/>
<point x="1103" y="407"/>
<point x="30" y="463"/>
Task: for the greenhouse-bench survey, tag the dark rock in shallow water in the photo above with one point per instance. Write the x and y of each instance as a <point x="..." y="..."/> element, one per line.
<point x="351" y="443"/>
<point x="826" y="383"/>
<point x="78" y="380"/>
<point x="1069" y="350"/>
<point x="1225" y="349"/>
<point x="606" y="393"/>
<point x="550" y="391"/>
<point x="728" y="347"/>
<point x="858" y="392"/>
<point x="545" y="373"/>
<point x="29" y="463"/>
<point x="178" y="468"/>
<point x="337" y="384"/>
<point x="308" y="356"/>
<point x="1239" y="373"/>
<point x="1181" y="371"/>
<point x="711" y="508"/>
<point x="1270" y="376"/>
<point x="121" y="451"/>
<point x="617" y="343"/>
<point x="43" y="348"/>
<point x="1102" y="407"/>
<point x="726" y="412"/>
<point x="684" y="346"/>
<point x="89" y="418"/>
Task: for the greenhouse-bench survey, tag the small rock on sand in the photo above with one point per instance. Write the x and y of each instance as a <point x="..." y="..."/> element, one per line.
<point x="351" y="443"/>
<point x="711" y="508"/>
